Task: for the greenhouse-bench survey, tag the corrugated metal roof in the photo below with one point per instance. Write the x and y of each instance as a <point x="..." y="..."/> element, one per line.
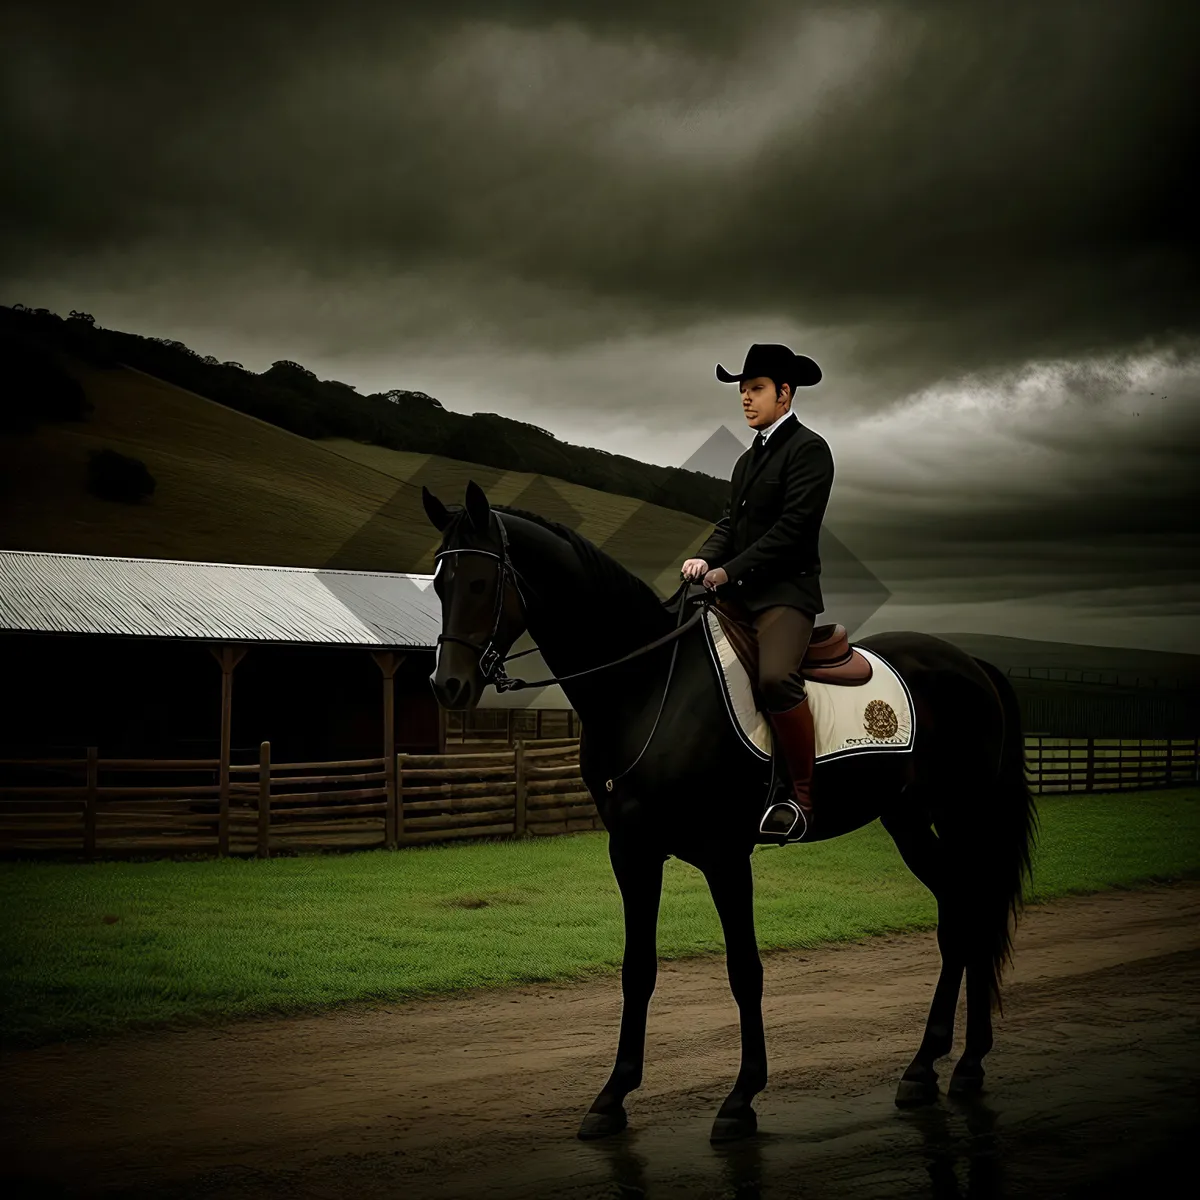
<point x="42" y="592"/>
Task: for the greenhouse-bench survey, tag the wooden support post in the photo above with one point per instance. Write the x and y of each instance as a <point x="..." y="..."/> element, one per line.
<point x="519" y="796"/>
<point x="538" y="725"/>
<point x="89" y="804"/>
<point x="508" y="725"/>
<point x="1089" y="784"/>
<point x="388" y="661"/>
<point x="570" y="722"/>
<point x="227" y="658"/>
<point x="389" y="813"/>
<point x="441" y="730"/>
<point x="264" y="800"/>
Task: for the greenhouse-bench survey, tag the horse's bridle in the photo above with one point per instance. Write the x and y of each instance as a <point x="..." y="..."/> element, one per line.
<point x="490" y="662"/>
<point x="491" y="665"/>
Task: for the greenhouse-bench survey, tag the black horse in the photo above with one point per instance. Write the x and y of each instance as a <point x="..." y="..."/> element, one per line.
<point x="670" y="776"/>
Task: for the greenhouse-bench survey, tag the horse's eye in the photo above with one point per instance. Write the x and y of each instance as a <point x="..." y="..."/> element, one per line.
<point x="476" y="586"/>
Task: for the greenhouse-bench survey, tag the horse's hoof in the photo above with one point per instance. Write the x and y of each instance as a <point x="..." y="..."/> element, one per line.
<point x="912" y="1093"/>
<point x="602" y="1124"/>
<point x="732" y="1129"/>
<point x="966" y="1083"/>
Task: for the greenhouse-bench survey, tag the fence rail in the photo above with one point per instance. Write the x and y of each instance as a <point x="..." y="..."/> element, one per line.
<point x="529" y="790"/>
<point x="270" y="807"/>
<point x="1061" y="764"/>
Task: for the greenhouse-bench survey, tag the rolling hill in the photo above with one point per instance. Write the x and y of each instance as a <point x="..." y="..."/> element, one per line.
<point x="233" y="488"/>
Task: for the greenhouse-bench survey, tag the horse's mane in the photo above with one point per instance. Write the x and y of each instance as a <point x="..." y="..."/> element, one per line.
<point x="626" y="586"/>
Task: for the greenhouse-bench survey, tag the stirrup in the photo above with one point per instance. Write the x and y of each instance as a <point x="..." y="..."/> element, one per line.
<point x="786" y="812"/>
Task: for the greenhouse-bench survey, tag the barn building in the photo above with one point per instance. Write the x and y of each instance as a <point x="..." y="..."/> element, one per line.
<point x="166" y="658"/>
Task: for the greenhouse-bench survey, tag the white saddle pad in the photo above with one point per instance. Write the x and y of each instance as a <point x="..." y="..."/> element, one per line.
<point x="861" y="719"/>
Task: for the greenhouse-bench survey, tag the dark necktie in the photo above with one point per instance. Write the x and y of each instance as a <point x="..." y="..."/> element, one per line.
<point x="760" y="445"/>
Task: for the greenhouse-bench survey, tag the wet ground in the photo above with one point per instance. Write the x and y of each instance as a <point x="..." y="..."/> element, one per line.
<point x="1092" y="1088"/>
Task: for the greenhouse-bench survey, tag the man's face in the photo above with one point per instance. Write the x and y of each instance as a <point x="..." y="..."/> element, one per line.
<point x="761" y="404"/>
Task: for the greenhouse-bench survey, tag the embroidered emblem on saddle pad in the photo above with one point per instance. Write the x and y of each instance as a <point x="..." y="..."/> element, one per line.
<point x="856" y="719"/>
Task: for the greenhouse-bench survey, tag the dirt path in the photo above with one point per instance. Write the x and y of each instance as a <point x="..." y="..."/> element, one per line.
<point x="1094" y="1074"/>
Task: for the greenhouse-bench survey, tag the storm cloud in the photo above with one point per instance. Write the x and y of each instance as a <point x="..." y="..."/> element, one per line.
<point x="976" y="217"/>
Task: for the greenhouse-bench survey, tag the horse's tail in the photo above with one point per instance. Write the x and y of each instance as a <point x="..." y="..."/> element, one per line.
<point x="1008" y="839"/>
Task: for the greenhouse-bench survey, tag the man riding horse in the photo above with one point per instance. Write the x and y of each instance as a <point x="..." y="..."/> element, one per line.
<point x="763" y="555"/>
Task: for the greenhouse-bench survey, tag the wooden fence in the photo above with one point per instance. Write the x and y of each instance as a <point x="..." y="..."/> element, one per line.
<point x="1062" y="764"/>
<point x="531" y="789"/>
<point x="506" y="725"/>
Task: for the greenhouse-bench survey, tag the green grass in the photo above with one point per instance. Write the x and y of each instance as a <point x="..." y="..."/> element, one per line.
<point x="110" y="946"/>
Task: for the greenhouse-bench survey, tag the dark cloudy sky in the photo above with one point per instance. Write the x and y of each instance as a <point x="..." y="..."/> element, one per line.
<point x="977" y="217"/>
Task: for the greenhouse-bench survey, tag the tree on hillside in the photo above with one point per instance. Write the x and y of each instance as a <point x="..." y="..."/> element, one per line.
<point x="402" y="396"/>
<point x="285" y="366"/>
<point x="115" y="476"/>
<point x="36" y="389"/>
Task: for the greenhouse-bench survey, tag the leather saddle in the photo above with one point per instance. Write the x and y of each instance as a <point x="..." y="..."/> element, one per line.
<point x="829" y="658"/>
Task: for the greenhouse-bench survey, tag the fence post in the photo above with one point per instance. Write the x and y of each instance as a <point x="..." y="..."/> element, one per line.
<point x="264" y="800"/>
<point x="519" y="794"/>
<point x="389" y="813"/>
<point x="398" y="801"/>
<point x="1089" y="782"/>
<point x="89" y="803"/>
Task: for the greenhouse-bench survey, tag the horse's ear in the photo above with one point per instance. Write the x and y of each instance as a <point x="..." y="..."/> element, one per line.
<point x="478" y="508"/>
<point x="435" y="510"/>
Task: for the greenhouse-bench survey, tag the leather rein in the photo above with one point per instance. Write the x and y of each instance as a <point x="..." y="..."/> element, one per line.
<point x="491" y="665"/>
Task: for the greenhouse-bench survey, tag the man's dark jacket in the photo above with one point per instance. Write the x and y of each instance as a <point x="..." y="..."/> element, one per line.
<point x="767" y="539"/>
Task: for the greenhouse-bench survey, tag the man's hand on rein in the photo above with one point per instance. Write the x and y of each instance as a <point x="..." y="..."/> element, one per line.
<point x="715" y="578"/>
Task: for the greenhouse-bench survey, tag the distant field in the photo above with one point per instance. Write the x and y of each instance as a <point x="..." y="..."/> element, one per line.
<point x="111" y="946"/>
<point x="232" y="488"/>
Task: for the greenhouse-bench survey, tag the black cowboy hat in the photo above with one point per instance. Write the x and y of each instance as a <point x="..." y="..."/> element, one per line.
<point x="777" y="363"/>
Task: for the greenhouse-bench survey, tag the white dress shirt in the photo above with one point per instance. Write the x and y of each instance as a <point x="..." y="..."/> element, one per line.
<point x="774" y="425"/>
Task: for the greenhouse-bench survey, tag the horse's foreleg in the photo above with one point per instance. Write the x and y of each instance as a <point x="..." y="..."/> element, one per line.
<point x="640" y="880"/>
<point x="732" y="886"/>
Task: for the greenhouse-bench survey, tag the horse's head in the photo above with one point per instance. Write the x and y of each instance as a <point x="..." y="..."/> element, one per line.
<point x="482" y="609"/>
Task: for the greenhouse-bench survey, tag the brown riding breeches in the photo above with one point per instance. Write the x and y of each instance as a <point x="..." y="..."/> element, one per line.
<point x="783" y="636"/>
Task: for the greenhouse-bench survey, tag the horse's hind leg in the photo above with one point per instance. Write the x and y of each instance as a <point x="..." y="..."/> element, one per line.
<point x="924" y="855"/>
<point x="968" y="1071"/>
